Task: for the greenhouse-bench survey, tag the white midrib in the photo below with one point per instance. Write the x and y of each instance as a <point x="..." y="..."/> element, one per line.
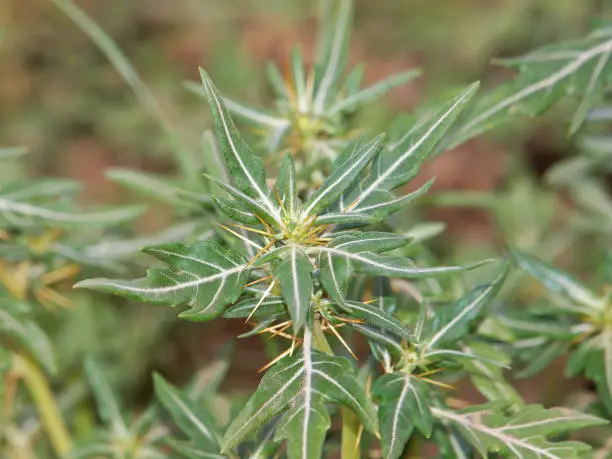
<point x="459" y="316"/>
<point x="368" y="261"/>
<point x="245" y="170"/>
<point x="201" y="427"/>
<point x="27" y="209"/>
<point x="374" y="186"/>
<point x="262" y="407"/>
<point x="296" y="282"/>
<point x="254" y="115"/>
<point x="396" y="413"/>
<point x="507" y="440"/>
<point x="173" y="288"/>
<point x="593" y="81"/>
<point x="307" y="345"/>
<point x="333" y="62"/>
<point x="607" y="339"/>
<point x="542" y="84"/>
<point x="356" y="165"/>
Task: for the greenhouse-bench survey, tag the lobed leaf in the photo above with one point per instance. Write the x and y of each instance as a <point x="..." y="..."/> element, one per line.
<point x="205" y="277"/>
<point x="403" y="406"/>
<point x="298" y="385"/>
<point x="195" y="422"/>
<point x="522" y="434"/>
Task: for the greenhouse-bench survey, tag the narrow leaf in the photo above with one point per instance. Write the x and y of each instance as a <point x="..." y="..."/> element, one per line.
<point x="294" y="274"/>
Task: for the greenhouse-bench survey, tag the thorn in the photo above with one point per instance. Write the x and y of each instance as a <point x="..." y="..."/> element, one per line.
<point x="260" y="253"/>
<point x="280" y="201"/>
<point x="60" y="274"/>
<point x="261" y="279"/>
<point x="268" y="227"/>
<point x="438" y="383"/>
<point x="351" y="205"/>
<point x="335" y="332"/>
<point x="350" y="321"/>
<point x="253" y="230"/>
<point x="273" y="361"/>
<point x="281" y="331"/>
<point x="240" y="236"/>
<point x="261" y="300"/>
<point x="430" y="372"/>
<point x="45" y="294"/>
<point x="281" y="325"/>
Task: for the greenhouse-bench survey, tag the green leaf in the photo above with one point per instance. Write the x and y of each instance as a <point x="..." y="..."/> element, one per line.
<point x="23" y="214"/>
<point x="196" y="423"/>
<point x="305" y="424"/>
<point x="540" y="356"/>
<point x="286" y="186"/>
<point x="244" y="200"/>
<point x="372" y="92"/>
<point x="159" y="188"/>
<point x="39" y="190"/>
<point x="294" y="273"/>
<point x="266" y="307"/>
<point x="391" y="266"/>
<point x="205" y="277"/>
<point x="235" y="210"/>
<point x="108" y="406"/>
<point x="598" y="365"/>
<point x="27" y="334"/>
<point x="400" y="163"/>
<point x="403" y="406"/>
<point x="523" y="434"/>
<point x="277" y="82"/>
<point x="389" y="342"/>
<point x="299" y="81"/>
<point x="488" y="377"/>
<point x="555" y="280"/>
<point x="332" y="51"/>
<point x="377" y="317"/>
<point x="343" y="176"/>
<point x="298" y="385"/>
<point x="580" y="68"/>
<point x="192" y="452"/>
<point x="346" y="218"/>
<point x="244" y="167"/>
<point x="369" y="241"/>
<point x="126" y="70"/>
<point x="453" y="323"/>
<point x="254" y="115"/>
<point x="389" y="203"/>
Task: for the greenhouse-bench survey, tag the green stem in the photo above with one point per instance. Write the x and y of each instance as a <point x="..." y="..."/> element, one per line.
<point x="351" y="427"/>
<point x="51" y="417"/>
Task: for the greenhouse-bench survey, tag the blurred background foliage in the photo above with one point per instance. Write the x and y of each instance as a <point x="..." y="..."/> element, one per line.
<point x="60" y="98"/>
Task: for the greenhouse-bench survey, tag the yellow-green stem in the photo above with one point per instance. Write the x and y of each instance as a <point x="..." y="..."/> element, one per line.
<point x="52" y="420"/>
<point x="351" y="426"/>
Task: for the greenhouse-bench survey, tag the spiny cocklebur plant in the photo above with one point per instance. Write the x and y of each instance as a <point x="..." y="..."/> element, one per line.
<point x="39" y="223"/>
<point x="576" y="321"/>
<point x="313" y="106"/>
<point x="309" y="246"/>
<point x="122" y="434"/>
<point x="584" y="176"/>
<point x="580" y="68"/>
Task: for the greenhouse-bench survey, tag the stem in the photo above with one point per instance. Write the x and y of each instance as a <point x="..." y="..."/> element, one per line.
<point x="351" y="427"/>
<point x="351" y="434"/>
<point x="52" y="420"/>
